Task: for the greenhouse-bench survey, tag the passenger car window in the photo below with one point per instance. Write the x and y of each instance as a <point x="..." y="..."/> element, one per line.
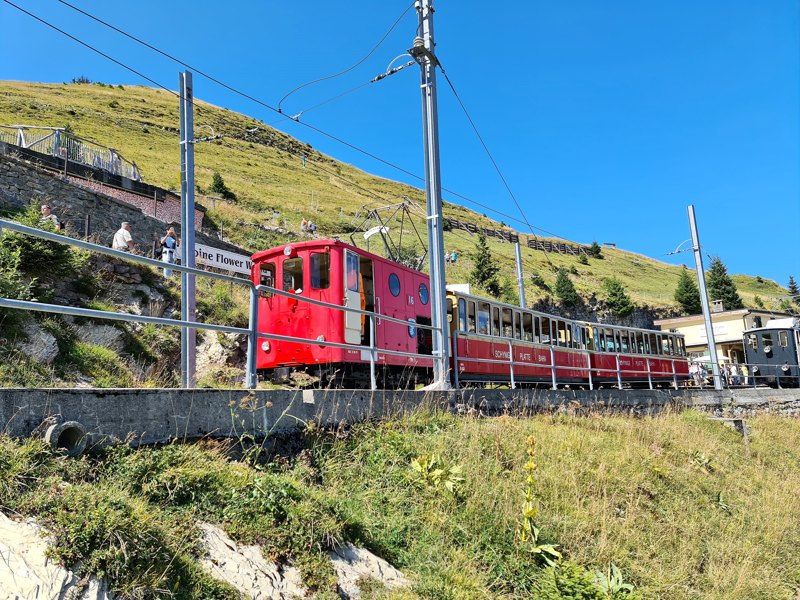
<point x="267" y="277"/>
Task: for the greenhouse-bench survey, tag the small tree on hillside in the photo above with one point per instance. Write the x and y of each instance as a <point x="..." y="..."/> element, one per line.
<point x="619" y="303"/>
<point x="508" y="291"/>
<point x="687" y="295"/>
<point x="565" y="290"/>
<point x="794" y="292"/>
<point x="218" y="186"/>
<point x="595" y="250"/>
<point x="484" y="269"/>
<point x="721" y="286"/>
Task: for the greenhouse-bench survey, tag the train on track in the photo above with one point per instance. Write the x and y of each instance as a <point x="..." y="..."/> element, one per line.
<point x="490" y="341"/>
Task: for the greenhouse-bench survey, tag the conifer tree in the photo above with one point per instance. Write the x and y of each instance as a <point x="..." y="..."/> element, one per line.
<point x="794" y="292"/>
<point x="218" y="186"/>
<point x="484" y="270"/>
<point x="687" y="295"/>
<point x="618" y="301"/>
<point x="721" y="286"/>
<point x="595" y="250"/>
<point x="565" y="290"/>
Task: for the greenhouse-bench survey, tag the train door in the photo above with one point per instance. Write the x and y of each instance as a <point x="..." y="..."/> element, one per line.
<point x="353" y="287"/>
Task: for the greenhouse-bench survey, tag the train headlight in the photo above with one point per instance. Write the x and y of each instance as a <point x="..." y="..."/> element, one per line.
<point x="265" y="346"/>
<point x="288" y="251"/>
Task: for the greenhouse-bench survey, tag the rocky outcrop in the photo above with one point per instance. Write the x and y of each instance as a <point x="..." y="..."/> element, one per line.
<point x="356" y="565"/>
<point x="39" y="345"/>
<point x="27" y="573"/>
<point x="246" y="569"/>
<point x="101" y="335"/>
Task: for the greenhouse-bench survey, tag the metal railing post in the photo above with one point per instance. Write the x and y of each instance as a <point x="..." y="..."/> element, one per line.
<point x="649" y="374"/>
<point x="455" y="360"/>
<point x="372" y="353"/>
<point x="252" y="341"/>
<point x="619" y="374"/>
<point x="674" y="375"/>
<point x="553" y="367"/>
<point x="589" y="369"/>
<point x="511" y="364"/>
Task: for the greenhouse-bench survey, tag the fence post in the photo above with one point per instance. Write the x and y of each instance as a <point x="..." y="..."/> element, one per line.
<point x="589" y="369"/>
<point x="372" y="353"/>
<point x="649" y="374"/>
<point x="674" y="375"/>
<point x="87" y="226"/>
<point x="511" y="364"/>
<point x="252" y="341"/>
<point x="619" y="374"/>
<point x="455" y="359"/>
<point x="553" y="367"/>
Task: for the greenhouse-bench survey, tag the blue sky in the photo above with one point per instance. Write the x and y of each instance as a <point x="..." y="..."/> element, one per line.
<point x="607" y="118"/>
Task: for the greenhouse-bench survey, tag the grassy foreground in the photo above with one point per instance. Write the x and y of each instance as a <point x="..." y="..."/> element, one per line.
<point x="676" y="502"/>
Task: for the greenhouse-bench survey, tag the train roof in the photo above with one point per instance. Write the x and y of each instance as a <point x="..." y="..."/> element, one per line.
<point x="320" y="243"/>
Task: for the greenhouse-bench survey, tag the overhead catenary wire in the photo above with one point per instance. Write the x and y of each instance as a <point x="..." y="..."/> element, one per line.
<point x="489" y="153"/>
<point x="360" y="62"/>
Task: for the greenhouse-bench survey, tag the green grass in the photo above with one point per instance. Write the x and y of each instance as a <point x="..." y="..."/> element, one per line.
<point x="676" y="501"/>
<point x="141" y="124"/>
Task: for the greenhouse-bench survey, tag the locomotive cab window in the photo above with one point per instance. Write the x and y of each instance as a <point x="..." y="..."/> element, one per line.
<point x="352" y="272"/>
<point x="320" y="270"/>
<point x="267" y="277"/>
<point x="462" y="314"/>
<point x="423" y="293"/>
<point x="449" y="310"/>
<point x="394" y="285"/>
<point x="293" y="275"/>
<point x="783" y="339"/>
<point x="752" y="341"/>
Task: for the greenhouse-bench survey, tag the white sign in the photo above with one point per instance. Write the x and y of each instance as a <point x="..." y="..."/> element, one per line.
<point x="221" y="259"/>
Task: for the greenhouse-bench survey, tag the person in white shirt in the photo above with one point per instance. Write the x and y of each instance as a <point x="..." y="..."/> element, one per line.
<point x="123" y="239"/>
<point x="49" y="217"/>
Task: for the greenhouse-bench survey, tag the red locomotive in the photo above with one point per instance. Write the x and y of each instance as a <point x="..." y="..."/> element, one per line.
<point x="485" y="334"/>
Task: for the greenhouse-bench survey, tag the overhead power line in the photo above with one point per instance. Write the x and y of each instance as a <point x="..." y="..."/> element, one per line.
<point x="489" y="154"/>
<point x="248" y="97"/>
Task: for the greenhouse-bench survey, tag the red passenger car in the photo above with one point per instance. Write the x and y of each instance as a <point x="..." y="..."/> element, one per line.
<point x="489" y="341"/>
<point x="341" y="274"/>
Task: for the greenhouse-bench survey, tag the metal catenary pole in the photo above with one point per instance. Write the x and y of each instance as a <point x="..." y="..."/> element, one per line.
<point x="424" y="55"/>
<point x="701" y="282"/>
<point x="520" y="279"/>
<point x="188" y="335"/>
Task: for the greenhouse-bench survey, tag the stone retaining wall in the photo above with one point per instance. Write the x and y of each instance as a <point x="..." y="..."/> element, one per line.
<point x="158" y="415"/>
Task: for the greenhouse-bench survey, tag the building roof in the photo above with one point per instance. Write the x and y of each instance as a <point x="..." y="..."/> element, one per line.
<point x="743" y="312"/>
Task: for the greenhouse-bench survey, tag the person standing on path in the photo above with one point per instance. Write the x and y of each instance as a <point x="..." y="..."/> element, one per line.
<point x="123" y="240"/>
<point x="168" y="245"/>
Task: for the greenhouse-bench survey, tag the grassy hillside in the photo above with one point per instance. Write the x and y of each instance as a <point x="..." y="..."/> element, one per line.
<point x="264" y="170"/>
<point x="677" y="502"/>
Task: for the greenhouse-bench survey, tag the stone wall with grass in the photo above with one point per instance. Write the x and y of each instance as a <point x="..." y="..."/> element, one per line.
<point x="22" y="184"/>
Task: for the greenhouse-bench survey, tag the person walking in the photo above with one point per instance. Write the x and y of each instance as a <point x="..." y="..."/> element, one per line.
<point x="745" y="374"/>
<point x="168" y="245"/>
<point x="123" y="240"/>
